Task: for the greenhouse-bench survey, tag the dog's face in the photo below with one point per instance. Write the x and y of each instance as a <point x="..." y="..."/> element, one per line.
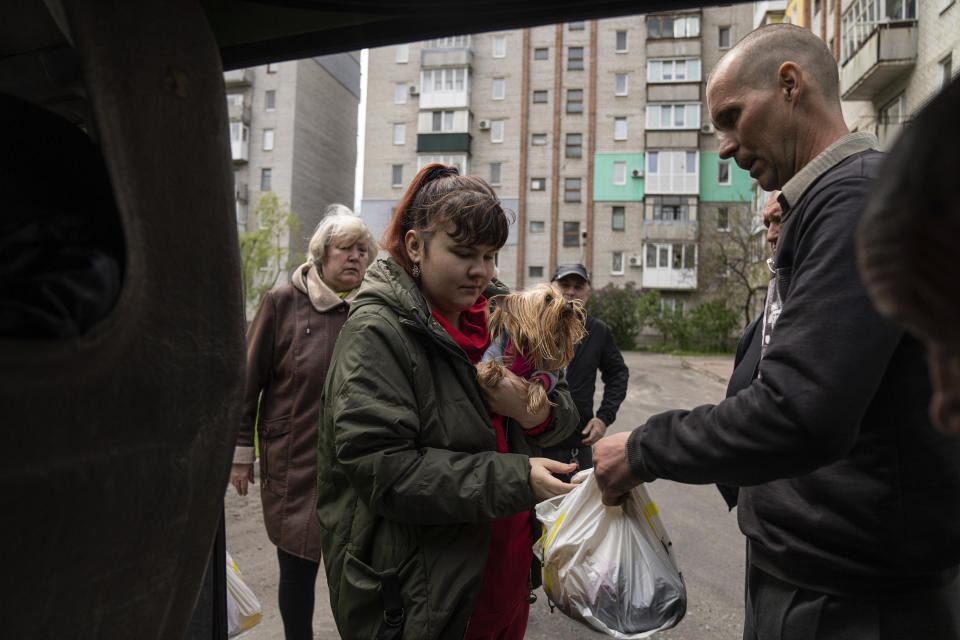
<point x="542" y="324"/>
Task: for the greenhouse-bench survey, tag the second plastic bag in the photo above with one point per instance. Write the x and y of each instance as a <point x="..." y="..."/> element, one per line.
<point x="610" y="567"/>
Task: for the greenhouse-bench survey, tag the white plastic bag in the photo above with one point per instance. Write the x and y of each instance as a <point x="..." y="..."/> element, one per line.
<point x="610" y="567"/>
<point x="243" y="608"/>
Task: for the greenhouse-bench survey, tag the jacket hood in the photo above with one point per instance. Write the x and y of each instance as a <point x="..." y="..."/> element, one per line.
<point x="306" y="279"/>
<point x="386" y="282"/>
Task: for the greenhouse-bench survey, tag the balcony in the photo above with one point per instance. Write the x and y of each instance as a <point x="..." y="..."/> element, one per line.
<point x="670" y="266"/>
<point x="887" y="54"/>
<point x="443" y="142"/>
<point x="239" y="113"/>
<point x="238" y="77"/>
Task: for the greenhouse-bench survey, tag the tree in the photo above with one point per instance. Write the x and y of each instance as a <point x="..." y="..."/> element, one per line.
<point x="620" y="310"/>
<point x="732" y="262"/>
<point x="265" y="252"/>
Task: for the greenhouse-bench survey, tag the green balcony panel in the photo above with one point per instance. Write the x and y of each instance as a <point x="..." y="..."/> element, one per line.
<point x="437" y="142"/>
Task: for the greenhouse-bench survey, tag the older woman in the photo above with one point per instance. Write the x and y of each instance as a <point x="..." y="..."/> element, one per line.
<point x="289" y="345"/>
<point x="426" y="481"/>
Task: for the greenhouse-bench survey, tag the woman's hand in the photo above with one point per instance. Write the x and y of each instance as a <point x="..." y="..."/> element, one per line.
<point x="509" y="398"/>
<point x="542" y="481"/>
<point x="240" y="475"/>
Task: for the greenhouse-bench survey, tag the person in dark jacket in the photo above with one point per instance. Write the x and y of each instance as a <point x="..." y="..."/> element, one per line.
<point x="427" y="479"/>
<point x="848" y="495"/>
<point x="597" y="351"/>
<point x="907" y="245"/>
<point x="289" y="343"/>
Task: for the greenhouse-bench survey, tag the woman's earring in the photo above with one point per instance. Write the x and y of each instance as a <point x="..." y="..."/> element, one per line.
<point x="416" y="270"/>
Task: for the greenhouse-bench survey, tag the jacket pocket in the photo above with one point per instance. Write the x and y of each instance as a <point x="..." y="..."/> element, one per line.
<point x="360" y="605"/>
<point x="274" y="439"/>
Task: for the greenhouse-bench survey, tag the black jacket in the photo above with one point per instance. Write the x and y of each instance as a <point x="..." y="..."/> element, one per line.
<point x="597" y="351"/>
<point x="845" y="485"/>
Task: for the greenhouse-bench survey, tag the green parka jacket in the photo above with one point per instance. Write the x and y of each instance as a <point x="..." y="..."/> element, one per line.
<point x="409" y="476"/>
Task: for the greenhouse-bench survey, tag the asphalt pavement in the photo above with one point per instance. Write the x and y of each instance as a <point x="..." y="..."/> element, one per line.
<point x="706" y="540"/>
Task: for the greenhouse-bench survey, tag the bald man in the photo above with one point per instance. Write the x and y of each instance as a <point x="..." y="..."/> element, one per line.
<point x="848" y="496"/>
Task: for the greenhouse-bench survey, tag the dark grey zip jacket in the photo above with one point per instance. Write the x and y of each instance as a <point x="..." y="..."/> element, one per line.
<point x="846" y="486"/>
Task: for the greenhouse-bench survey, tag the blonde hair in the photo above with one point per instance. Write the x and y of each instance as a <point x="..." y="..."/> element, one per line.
<point x="341" y="224"/>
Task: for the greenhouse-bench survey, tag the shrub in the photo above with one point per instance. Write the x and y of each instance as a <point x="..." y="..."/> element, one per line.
<point x="707" y="327"/>
<point x="620" y="309"/>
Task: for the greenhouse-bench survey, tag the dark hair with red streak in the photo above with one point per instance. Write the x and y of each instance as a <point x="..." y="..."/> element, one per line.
<point x="437" y="196"/>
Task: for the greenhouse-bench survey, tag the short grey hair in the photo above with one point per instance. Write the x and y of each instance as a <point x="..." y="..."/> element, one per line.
<point x="340" y="223"/>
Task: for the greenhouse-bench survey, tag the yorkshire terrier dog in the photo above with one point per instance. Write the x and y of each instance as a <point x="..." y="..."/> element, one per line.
<point x="534" y="334"/>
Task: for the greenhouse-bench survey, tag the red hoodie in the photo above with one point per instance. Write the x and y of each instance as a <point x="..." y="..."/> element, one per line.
<point x="510" y="554"/>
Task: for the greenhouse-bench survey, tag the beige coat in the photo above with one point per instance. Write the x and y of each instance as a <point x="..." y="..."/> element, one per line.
<point x="289" y="344"/>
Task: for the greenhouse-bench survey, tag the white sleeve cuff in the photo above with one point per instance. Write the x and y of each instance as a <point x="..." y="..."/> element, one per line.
<point x="243" y="455"/>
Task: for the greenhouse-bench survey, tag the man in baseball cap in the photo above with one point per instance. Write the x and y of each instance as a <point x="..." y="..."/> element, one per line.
<point x="597" y="351"/>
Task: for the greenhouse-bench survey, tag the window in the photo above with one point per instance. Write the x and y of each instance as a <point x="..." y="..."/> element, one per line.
<point x="723" y="172"/>
<point x="618" y="219"/>
<point x="235" y="99"/>
<point x="459" y="161"/>
<point x="535" y="272"/>
<point x="671" y="256"/>
<point x="619" y="128"/>
<point x="672" y="172"/>
<point x="541" y="53"/>
<point x="270" y="100"/>
<point x="616" y="263"/>
<point x="673" y="27"/>
<point x="571" y="190"/>
<point x="403" y="53"/>
<point x="495" y="173"/>
<point x="272" y="67"/>
<point x="440" y="80"/>
<point x="441" y="121"/>
<point x="449" y="42"/>
<point x="571" y="234"/>
<point x="723" y="219"/>
<point x="268" y="139"/>
<point x="673" y="116"/>
<point x="399" y="133"/>
<point x="574" y="100"/>
<point x="396" y="175"/>
<point x="539" y="96"/>
<point x="672" y="304"/>
<point x="538" y="184"/>
<point x="673" y="70"/>
<point x="723" y="37"/>
<point x="400" y="93"/>
<point x="574" y="145"/>
<point x="944" y="72"/>
<point x="671" y="209"/>
<point x="539" y="139"/>
<point x="575" y="58"/>
<point x="619" y="173"/>
<point x="496" y="131"/>
<point x="621" y="46"/>
<point x="266" y="179"/>
<point x="891" y="118"/>
<point x="620" y="84"/>
<point x="499" y="46"/>
<point x="537" y="226"/>
<point x="576" y="26"/>
<point x="499" y="89"/>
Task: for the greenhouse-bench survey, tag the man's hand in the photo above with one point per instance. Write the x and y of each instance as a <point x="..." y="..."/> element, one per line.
<point x="611" y="469"/>
<point x="542" y="481"/>
<point x="240" y="475"/>
<point x="594" y="430"/>
<point x="509" y="398"/>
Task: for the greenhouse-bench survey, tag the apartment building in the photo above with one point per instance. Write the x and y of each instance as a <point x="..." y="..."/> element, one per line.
<point x="596" y="134"/>
<point x="293" y="131"/>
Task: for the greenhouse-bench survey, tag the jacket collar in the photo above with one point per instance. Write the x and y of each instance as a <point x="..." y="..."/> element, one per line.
<point x="840" y="150"/>
<point x="306" y="279"/>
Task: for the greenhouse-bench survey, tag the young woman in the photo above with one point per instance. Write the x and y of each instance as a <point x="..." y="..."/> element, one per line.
<point x="288" y="352"/>
<point x="425" y="482"/>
